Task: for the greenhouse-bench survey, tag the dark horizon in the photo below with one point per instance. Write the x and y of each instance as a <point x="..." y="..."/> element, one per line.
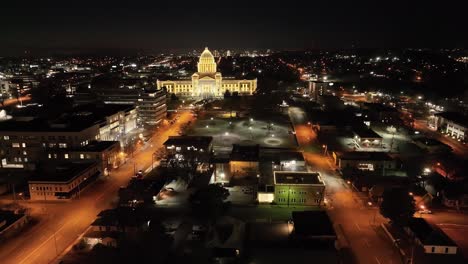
<point x="157" y="27"/>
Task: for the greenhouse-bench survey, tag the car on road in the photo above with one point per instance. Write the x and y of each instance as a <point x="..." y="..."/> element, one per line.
<point x="138" y="175"/>
<point x="425" y="211"/>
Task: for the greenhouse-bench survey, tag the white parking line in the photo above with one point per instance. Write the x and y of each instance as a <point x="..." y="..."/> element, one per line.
<point x="378" y="262"/>
<point x="357" y="226"/>
<point x="367" y="242"/>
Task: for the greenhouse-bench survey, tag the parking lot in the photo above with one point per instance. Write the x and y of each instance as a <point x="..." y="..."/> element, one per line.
<point x="228" y="131"/>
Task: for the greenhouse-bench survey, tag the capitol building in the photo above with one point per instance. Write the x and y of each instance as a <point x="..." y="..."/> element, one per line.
<point x="207" y="82"/>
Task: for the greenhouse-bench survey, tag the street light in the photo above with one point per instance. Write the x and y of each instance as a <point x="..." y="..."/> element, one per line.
<point x="152" y="161"/>
<point x="375" y="212"/>
<point x="422" y="207"/>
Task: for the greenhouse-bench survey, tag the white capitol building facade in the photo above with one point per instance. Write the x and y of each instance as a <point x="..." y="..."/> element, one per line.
<point x="207" y="82"/>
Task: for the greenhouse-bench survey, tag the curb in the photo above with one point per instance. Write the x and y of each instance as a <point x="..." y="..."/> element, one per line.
<point x="65" y="251"/>
<point x="402" y="253"/>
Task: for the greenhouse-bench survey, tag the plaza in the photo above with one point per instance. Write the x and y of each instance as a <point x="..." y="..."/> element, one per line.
<point x="244" y="131"/>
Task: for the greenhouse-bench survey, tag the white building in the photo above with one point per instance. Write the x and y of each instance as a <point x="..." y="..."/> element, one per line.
<point x="207" y="82"/>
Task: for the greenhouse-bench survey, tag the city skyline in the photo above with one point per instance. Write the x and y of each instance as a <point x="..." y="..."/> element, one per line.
<point x="161" y="27"/>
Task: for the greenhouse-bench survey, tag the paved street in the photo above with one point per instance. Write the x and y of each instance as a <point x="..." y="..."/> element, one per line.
<point x="60" y="224"/>
<point x="359" y="222"/>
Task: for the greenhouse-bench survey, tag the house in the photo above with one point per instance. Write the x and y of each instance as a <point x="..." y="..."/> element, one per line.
<point x="431" y="239"/>
<point x="298" y="188"/>
<point x="115" y="224"/>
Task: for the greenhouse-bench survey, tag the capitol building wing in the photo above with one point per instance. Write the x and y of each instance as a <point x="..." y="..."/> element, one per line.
<point x="207" y="82"/>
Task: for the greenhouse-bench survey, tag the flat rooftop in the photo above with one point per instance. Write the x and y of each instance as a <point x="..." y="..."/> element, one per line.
<point x="45" y="125"/>
<point x="427" y="234"/>
<point x="98" y="146"/>
<point x="429" y="141"/>
<point x="9" y="217"/>
<point x="245" y="152"/>
<point x="276" y="154"/>
<point x="455" y="117"/>
<point x="379" y="107"/>
<point x="366" y="133"/>
<point x="296" y="177"/>
<point x="364" y="155"/>
<point x="195" y="141"/>
<point x="61" y="173"/>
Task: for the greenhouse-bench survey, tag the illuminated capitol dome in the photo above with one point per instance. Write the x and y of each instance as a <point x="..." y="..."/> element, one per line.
<point x="207" y="82"/>
<point x="207" y="63"/>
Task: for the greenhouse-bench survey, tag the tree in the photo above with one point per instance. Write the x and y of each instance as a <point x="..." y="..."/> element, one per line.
<point x="174" y="97"/>
<point x="209" y="202"/>
<point x="397" y="205"/>
<point x="227" y="94"/>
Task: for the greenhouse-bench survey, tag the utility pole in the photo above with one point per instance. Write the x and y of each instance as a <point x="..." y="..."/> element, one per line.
<point x="13" y="188"/>
<point x="391" y="143"/>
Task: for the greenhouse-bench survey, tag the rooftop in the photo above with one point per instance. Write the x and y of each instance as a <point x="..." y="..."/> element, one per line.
<point x="296" y="177"/>
<point x="121" y="216"/>
<point x="427" y="234"/>
<point x="9" y="217"/>
<point x="61" y="172"/>
<point x="429" y="141"/>
<point x="366" y="133"/>
<point x="275" y="154"/>
<point x="245" y="153"/>
<point x="379" y="107"/>
<point x="195" y="141"/>
<point x="98" y="146"/>
<point x="364" y="155"/>
<point x="44" y="125"/>
<point x="101" y="111"/>
<point x="455" y="117"/>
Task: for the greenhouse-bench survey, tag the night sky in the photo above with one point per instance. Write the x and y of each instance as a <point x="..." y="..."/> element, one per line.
<point x="154" y="26"/>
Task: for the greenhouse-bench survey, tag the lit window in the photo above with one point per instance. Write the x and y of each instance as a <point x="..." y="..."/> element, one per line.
<point x="15" y="145"/>
<point x="25" y="153"/>
<point x="6" y="137"/>
<point x="49" y="156"/>
<point x="23" y="145"/>
<point x="25" y="159"/>
<point x="62" y="145"/>
<point x="66" y="156"/>
<point x="81" y="156"/>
